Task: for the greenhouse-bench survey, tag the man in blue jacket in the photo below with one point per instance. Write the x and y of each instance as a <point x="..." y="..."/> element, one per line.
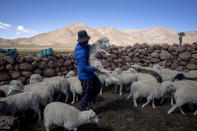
<point x="89" y="82"/>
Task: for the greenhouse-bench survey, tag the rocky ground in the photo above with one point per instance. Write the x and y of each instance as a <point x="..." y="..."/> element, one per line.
<point x="116" y="113"/>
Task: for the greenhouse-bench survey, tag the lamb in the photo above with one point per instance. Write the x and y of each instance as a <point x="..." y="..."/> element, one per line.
<point x="125" y="79"/>
<point x="67" y="116"/>
<point x="183" y="96"/>
<point x="149" y="89"/>
<point x="75" y="87"/>
<point x="20" y="102"/>
<point x="99" y="47"/>
<point x="35" y="78"/>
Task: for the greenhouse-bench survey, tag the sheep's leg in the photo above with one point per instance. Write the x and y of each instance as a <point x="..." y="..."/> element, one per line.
<point x="121" y="89"/>
<point x="162" y="100"/>
<point x="153" y="103"/>
<point x="195" y="113"/>
<point x="115" y="88"/>
<point x="73" y="98"/>
<point x="77" y="98"/>
<point x="103" y="51"/>
<point x="50" y="99"/>
<point x="101" y="91"/>
<point x="148" y="101"/>
<point x="181" y="110"/>
<point x="67" y="96"/>
<point x="135" y="97"/>
<point x="58" y="97"/>
<point x="47" y="128"/>
<point x="172" y="100"/>
<point x="173" y="108"/>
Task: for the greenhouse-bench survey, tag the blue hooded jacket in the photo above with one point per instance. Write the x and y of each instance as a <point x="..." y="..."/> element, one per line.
<point x="85" y="72"/>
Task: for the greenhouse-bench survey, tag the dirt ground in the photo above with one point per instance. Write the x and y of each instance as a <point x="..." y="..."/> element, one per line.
<point x="116" y="113"/>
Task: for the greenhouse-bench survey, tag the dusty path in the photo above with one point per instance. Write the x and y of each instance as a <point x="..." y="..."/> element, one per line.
<point x="116" y="113"/>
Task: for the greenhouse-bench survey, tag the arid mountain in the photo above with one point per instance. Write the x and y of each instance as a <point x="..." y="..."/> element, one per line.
<point x="67" y="36"/>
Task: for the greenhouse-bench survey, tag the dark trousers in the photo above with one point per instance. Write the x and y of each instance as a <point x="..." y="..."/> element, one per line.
<point x="91" y="89"/>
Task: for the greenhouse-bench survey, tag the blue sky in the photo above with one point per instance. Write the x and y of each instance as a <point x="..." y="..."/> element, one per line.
<point x="26" y="18"/>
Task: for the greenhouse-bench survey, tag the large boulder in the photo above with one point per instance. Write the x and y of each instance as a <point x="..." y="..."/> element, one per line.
<point x="185" y="56"/>
<point x="165" y="55"/>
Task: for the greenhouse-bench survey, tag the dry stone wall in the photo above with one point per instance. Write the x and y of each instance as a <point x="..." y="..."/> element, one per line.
<point x="175" y="57"/>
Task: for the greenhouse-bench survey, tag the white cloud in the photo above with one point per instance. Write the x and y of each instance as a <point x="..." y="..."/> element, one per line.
<point x="21" y="29"/>
<point x="5" y="26"/>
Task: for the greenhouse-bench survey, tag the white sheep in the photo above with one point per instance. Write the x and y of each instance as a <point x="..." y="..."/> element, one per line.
<point x="74" y="87"/>
<point x="99" y="47"/>
<point x="5" y="88"/>
<point x="35" y="78"/>
<point x="21" y="102"/>
<point x="183" y="96"/>
<point x="126" y="79"/>
<point x="69" y="117"/>
<point x="149" y="89"/>
<point x="60" y="84"/>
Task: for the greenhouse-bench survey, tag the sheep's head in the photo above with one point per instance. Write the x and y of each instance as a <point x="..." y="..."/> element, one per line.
<point x="15" y="85"/>
<point x="168" y="85"/>
<point x="136" y="67"/>
<point x="35" y="78"/>
<point x="103" y="43"/>
<point x="118" y="70"/>
<point x="91" y="116"/>
<point x="70" y="74"/>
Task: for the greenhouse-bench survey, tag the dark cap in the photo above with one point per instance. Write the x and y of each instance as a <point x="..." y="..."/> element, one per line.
<point x="83" y="36"/>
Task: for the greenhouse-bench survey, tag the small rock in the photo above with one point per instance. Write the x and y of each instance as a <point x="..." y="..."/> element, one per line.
<point x="2" y="61"/>
<point x="37" y="71"/>
<point x="52" y="64"/>
<point x="10" y="60"/>
<point x="165" y="55"/>
<point x="20" y="59"/>
<point x="29" y="59"/>
<point x="4" y="76"/>
<point x="60" y="62"/>
<point x="26" y="73"/>
<point x="174" y="66"/>
<point x="9" y="67"/>
<point x="14" y="74"/>
<point x="191" y="66"/>
<point x="26" y="66"/>
<point x="194" y="56"/>
<point x="43" y="65"/>
<point x="49" y="72"/>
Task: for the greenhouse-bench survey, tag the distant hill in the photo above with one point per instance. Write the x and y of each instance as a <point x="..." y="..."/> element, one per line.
<point x="67" y="37"/>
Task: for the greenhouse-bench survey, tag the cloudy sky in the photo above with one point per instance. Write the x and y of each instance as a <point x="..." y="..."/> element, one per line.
<point x="26" y="18"/>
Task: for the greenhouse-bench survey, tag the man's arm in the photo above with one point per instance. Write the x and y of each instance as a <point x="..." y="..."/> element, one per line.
<point x="82" y="62"/>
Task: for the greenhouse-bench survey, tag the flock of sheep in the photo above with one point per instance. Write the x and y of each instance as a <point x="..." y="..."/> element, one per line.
<point x="152" y="83"/>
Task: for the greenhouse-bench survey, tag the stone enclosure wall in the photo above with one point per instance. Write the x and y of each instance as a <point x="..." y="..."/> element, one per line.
<point x="176" y="57"/>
